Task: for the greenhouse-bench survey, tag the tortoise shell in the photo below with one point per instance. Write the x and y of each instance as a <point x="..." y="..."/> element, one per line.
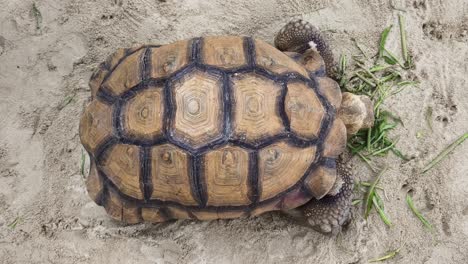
<point x="207" y="128"/>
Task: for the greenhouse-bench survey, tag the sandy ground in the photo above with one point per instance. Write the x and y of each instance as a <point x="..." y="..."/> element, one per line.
<point x="46" y="62"/>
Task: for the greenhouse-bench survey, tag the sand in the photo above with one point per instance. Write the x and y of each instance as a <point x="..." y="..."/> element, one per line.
<point x="45" y="65"/>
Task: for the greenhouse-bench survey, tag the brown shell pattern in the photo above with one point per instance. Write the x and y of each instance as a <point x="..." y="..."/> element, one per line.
<point x="208" y="128"/>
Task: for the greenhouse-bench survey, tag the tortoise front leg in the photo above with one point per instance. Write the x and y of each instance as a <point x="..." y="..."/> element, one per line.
<point x="329" y="214"/>
<point x="333" y="211"/>
<point x="302" y="37"/>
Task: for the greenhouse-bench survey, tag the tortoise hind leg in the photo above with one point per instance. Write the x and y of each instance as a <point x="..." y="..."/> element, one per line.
<point x="301" y="36"/>
<point x="329" y="214"/>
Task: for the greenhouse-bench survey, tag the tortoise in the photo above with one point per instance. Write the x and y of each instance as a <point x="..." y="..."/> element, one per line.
<point x="222" y="127"/>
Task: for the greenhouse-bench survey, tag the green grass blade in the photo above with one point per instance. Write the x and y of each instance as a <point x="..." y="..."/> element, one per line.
<point x="377" y="202"/>
<point x="428" y="116"/>
<point x="37" y="15"/>
<point x="378" y="68"/>
<point x="383" y="150"/>
<point x="66" y="101"/>
<point x="343" y="63"/>
<point x="410" y="203"/>
<point x="445" y="152"/>
<point x="369" y="136"/>
<point x="390" y="254"/>
<point x="390" y="77"/>
<point x="358" y="59"/>
<point x="393" y="58"/>
<point x="399" y="90"/>
<point x="392" y="116"/>
<point x="367" y="161"/>
<point x="404" y="49"/>
<point x="399" y="154"/>
<point x="386" y="126"/>
<point x="365" y="80"/>
<point x="383" y="40"/>
<point x="360" y="48"/>
<point x="368" y="72"/>
<point x="390" y="60"/>
<point x="368" y="184"/>
<point x="407" y="83"/>
<point x="371" y="194"/>
<point x="15" y="222"/>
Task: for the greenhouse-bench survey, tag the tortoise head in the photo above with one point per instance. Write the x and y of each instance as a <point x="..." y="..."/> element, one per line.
<point x="356" y="112"/>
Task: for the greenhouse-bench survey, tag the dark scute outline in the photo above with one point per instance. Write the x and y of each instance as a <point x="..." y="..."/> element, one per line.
<point x="146" y="65"/>
<point x="100" y="194"/>
<point x="165" y="213"/>
<point x="328" y="162"/>
<point x="145" y="173"/>
<point x="101" y="151"/>
<point x="289" y="137"/>
<point x="144" y="142"/>
<point x="105" y="96"/>
<point x="198" y="178"/>
<point x="249" y="51"/>
<point x="195" y="62"/>
<point x="117" y="119"/>
<point x="255" y="189"/>
<point x="146" y="84"/>
<point x="282" y="107"/>
<point x="227" y="98"/>
<point x="195" y="54"/>
<point x="105" y="190"/>
<point x="321" y="72"/>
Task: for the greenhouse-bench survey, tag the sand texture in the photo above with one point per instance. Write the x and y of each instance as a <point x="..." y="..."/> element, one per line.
<point x="47" y="55"/>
